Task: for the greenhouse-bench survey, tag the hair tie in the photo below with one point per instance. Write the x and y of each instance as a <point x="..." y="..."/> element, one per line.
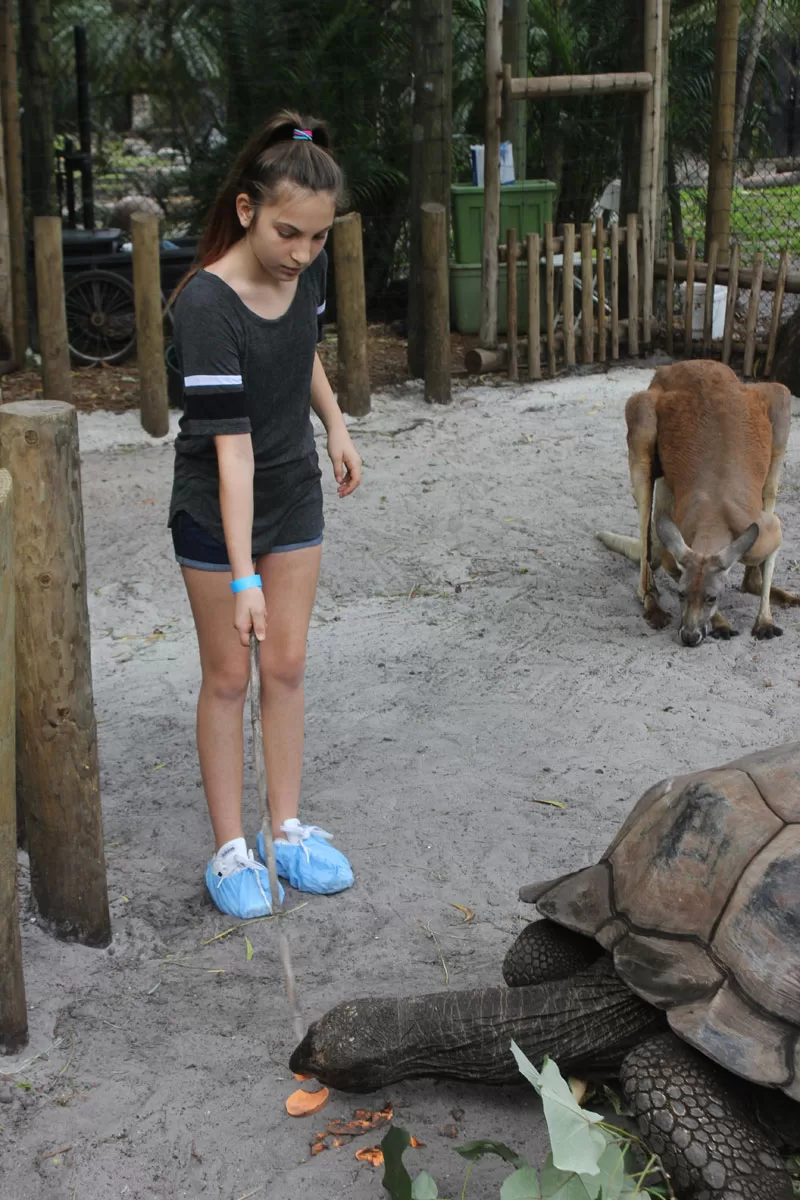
<point x="303" y="135"/>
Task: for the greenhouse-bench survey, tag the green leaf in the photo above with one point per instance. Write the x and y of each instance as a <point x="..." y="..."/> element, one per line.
<point x="522" y="1185"/>
<point x="475" y="1150"/>
<point x="248" y="948"/>
<point x="424" y="1187"/>
<point x="577" y="1145"/>
<point x="396" y="1179"/>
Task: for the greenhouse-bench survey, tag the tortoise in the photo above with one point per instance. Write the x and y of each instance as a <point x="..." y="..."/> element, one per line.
<point x="674" y="962"/>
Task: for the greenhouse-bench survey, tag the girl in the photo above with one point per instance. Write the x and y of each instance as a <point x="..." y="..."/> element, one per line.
<point x="246" y="509"/>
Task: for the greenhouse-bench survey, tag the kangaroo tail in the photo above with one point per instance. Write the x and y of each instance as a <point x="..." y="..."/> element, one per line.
<point x="629" y="546"/>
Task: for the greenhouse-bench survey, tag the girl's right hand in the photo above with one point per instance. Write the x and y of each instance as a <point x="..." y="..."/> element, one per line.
<point x="250" y="612"/>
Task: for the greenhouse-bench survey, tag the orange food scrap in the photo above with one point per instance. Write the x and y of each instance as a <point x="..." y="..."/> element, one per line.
<point x="318" y="1147"/>
<point x="365" y="1120"/>
<point x="371" y="1154"/>
<point x="416" y="1143"/>
<point x="303" y="1104"/>
<point x="340" y="1141"/>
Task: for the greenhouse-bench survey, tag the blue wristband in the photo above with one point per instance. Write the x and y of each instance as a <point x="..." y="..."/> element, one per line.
<point x="247" y="581"/>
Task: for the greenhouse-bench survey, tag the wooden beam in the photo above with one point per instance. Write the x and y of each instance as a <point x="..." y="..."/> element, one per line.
<point x="153" y="400"/>
<point x="545" y="86"/>
<point x="511" y="307"/>
<point x="768" y="282"/>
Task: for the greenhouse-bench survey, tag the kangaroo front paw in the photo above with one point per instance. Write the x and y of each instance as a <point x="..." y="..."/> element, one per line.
<point x="765" y="630"/>
<point x="721" y="628"/>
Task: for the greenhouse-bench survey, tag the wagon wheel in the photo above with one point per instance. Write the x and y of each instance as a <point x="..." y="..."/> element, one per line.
<point x="101" y="321"/>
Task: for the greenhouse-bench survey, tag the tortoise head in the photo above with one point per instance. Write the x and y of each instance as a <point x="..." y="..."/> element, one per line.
<point x="702" y="576"/>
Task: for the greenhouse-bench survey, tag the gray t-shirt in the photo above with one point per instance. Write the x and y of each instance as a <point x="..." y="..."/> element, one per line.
<point x="242" y="373"/>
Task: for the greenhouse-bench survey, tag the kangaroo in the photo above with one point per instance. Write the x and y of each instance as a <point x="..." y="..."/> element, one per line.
<point x="705" y="454"/>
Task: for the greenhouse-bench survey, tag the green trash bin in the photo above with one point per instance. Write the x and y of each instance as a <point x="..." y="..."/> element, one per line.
<point x="465" y="298"/>
<point x="525" y="206"/>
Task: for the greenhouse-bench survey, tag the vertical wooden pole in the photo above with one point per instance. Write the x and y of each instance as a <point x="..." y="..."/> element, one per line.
<point x="550" y="299"/>
<point x="491" y="173"/>
<point x="511" y="305"/>
<point x="730" y="303"/>
<point x="650" y="155"/>
<point x="9" y="105"/>
<point x="514" y="121"/>
<point x="51" y="310"/>
<point x="688" y="314"/>
<point x="777" y="305"/>
<point x="708" y="311"/>
<point x="723" y="110"/>
<point x="632" y="248"/>
<point x="587" y="293"/>
<point x="534" y="309"/>
<point x="56" y="732"/>
<point x="7" y="355"/>
<point x="436" y="300"/>
<point x="600" y="239"/>
<point x="752" y="316"/>
<point x="37" y="73"/>
<point x="613" y="234"/>
<point x="13" y="1014"/>
<point x="351" y="315"/>
<point x="670" y="298"/>
<point x="568" y="298"/>
<point x="153" y="399"/>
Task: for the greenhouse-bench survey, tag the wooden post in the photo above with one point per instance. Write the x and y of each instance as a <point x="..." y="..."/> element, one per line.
<point x="614" y="238"/>
<point x="351" y="315"/>
<point x="708" y="312"/>
<point x="723" y="113"/>
<point x="491" y="173"/>
<point x="436" y="300"/>
<point x="752" y="316"/>
<point x="56" y="733"/>
<point x="7" y="356"/>
<point x="568" y="297"/>
<point x="9" y="105"/>
<point x="37" y="73"/>
<point x="153" y="399"/>
<point x="511" y="305"/>
<point x="550" y="299"/>
<point x="730" y="303"/>
<point x="632" y="248"/>
<point x="670" y="298"/>
<point x="649" y="159"/>
<point x="688" y="316"/>
<point x="534" y="309"/>
<point x="587" y="293"/>
<point x="777" y="305"/>
<point x="52" y="313"/>
<point x="514" y="122"/>
<point x="600" y="238"/>
<point x="13" y="1014"/>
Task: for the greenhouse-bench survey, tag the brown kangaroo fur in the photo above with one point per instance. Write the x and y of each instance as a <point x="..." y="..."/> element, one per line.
<point x="705" y="454"/>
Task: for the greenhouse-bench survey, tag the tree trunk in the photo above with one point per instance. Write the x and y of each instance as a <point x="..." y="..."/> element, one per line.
<point x="36" y="69"/>
<point x="748" y="71"/>
<point x="9" y="103"/>
<point x="514" y="121"/>
<point x="720" y="175"/>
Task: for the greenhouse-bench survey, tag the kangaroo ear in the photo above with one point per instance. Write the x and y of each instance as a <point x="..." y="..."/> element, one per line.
<point x="738" y="548"/>
<point x="670" y="535"/>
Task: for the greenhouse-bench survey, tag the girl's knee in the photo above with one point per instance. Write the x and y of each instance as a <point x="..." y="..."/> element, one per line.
<point x="286" y="668"/>
<point x="227" y="684"/>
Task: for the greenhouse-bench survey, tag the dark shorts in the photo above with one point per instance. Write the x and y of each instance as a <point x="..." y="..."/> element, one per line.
<point x="195" y="547"/>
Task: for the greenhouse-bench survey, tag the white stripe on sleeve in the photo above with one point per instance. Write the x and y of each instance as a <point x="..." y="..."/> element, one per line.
<point x="321" y="309"/>
<point x="212" y="381"/>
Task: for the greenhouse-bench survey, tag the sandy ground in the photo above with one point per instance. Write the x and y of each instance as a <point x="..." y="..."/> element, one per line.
<point x="474" y="651"/>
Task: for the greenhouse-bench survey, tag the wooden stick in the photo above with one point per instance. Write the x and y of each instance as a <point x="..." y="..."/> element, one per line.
<point x="587" y="290"/>
<point x="491" y="172"/>
<point x="550" y="301"/>
<point x="9" y="105"/>
<point x="614" y="232"/>
<point x="633" y="286"/>
<point x="534" y="309"/>
<point x="730" y="304"/>
<point x="153" y="399"/>
<point x="511" y="306"/>
<point x="544" y="86"/>
<point x="52" y="314"/>
<point x="777" y="305"/>
<point x="568" y="297"/>
<point x="768" y="279"/>
<point x="351" y="315"/>
<point x="688" y="332"/>
<point x="708" y="312"/>
<point x="436" y="303"/>
<point x="600" y="239"/>
<point x="752" y="316"/>
<point x="57" y="768"/>
<point x="13" y="1013"/>
<point x="670" y="315"/>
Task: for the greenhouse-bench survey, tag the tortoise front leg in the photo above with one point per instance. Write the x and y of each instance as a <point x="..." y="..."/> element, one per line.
<point x="694" y="1116"/>
<point x="545" y="951"/>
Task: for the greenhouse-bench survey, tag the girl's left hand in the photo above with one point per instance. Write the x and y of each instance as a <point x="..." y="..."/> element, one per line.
<point x="346" y="461"/>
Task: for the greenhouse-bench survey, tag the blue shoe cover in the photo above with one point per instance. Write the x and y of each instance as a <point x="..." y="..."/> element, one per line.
<point x="305" y="857"/>
<point x="244" y="893"/>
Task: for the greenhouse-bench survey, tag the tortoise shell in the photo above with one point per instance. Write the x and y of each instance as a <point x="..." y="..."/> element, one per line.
<point x="698" y="901"/>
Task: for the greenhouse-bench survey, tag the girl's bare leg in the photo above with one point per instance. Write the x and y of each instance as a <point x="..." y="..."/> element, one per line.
<point x="289" y="579"/>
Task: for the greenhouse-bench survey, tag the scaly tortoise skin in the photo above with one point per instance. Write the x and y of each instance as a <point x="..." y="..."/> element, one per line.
<point x="675" y="961"/>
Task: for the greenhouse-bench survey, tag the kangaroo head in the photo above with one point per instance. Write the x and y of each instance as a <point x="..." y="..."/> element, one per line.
<point x="702" y="577"/>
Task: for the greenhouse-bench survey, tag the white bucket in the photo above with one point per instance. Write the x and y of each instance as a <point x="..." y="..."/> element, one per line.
<point x="699" y="310"/>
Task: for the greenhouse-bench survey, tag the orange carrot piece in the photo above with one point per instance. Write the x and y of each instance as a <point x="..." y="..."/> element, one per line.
<point x="303" y="1104"/>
